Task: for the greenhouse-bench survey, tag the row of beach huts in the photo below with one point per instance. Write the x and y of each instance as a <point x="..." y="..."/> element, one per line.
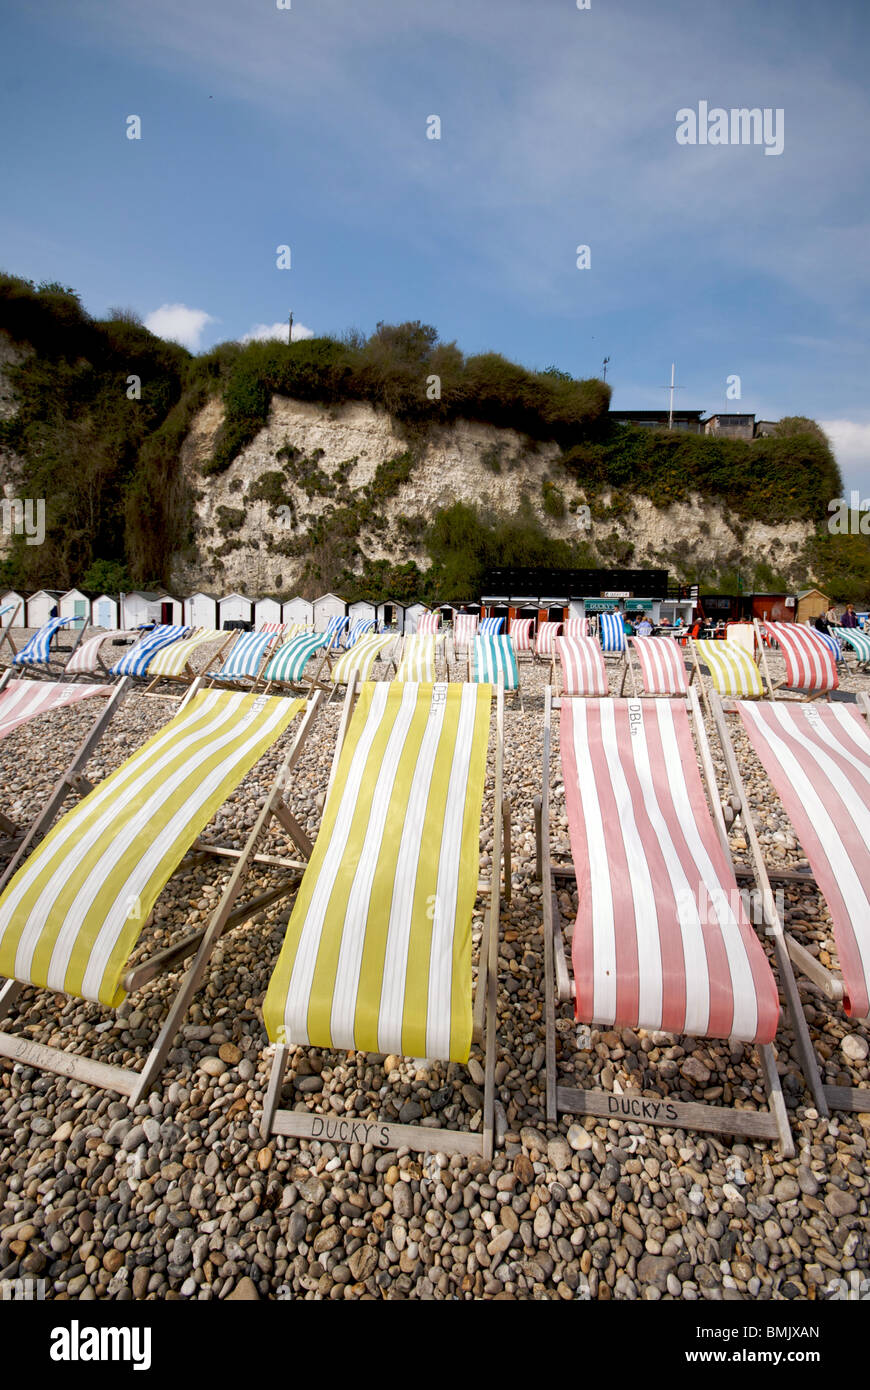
<point x="198" y="610"/>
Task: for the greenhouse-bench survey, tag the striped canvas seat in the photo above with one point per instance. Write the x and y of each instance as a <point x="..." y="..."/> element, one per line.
<point x="546" y="637"/>
<point x="857" y="640"/>
<point x="428" y="623"/>
<point x="85" y="658"/>
<point x="494" y="660"/>
<point x="335" y="630"/>
<point x="662" y="940"/>
<point x="274" y="628"/>
<point x="377" y="954"/>
<point x="732" y="670"/>
<point x="23" y="700"/>
<point x="576" y="627"/>
<point x="663" y="669"/>
<point x="521" y="633"/>
<point x="172" y="661"/>
<point x="464" y="628"/>
<point x="246" y="655"/>
<point x="817" y="757"/>
<point x="831" y="643"/>
<point x="136" y="661"/>
<point x="287" y="666"/>
<point x="359" y="629"/>
<point x="490" y="627"/>
<point x="809" y="663"/>
<point x="71" y="915"/>
<point x="611" y="632"/>
<point x="743" y="635"/>
<point x="37" y="651"/>
<point x="361" y="657"/>
<point x="583" y="669"/>
<point x="418" y="658"/>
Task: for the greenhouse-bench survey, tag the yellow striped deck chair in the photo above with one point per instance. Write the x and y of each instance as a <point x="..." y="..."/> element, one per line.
<point x="72" y="915"/>
<point x="418" y="658"/>
<point x="732" y="670"/>
<point x="173" y="662"/>
<point x="377" y="953"/>
<point x="361" y="657"/>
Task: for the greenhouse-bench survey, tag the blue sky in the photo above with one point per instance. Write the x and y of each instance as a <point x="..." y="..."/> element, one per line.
<point x="307" y="126"/>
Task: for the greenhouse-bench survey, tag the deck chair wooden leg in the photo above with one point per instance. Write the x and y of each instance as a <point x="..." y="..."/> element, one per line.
<point x="776" y="1101"/>
<point x="273" y="1093"/>
<point x="506" y="833"/>
<point x="542" y="819"/>
<point x="9" y="992"/>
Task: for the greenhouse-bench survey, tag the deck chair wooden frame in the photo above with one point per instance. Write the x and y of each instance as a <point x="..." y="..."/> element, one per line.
<point x="306" y="1124"/>
<point x="634" y="1106"/>
<point x="200" y="944"/>
<point x="790" y="953"/>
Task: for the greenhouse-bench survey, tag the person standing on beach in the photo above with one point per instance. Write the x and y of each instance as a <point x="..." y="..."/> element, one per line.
<point x="850" y="617"/>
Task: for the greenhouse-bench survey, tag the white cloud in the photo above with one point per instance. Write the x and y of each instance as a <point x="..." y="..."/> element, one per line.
<point x="263" y="332"/>
<point x="179" y="324"/>
<point x="850" y="440"/>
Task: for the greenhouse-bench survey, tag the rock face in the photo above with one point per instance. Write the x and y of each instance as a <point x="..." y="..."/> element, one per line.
<point x="241" y="541"/>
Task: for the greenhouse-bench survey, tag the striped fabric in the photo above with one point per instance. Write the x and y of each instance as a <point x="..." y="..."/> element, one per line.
<point x="583" y="669"/>
<point x="135" y="662"/>
<point x="335" y="630"/>
<point x="359" y="629"/>
<point x="661" y="940"/>
<point x="494" y="658"/>
<point x="38" y="650"/>
<point x="23" y="700"/>
<point x="361" y="657"/>
<point x="85" y="658"/>
<point x="732" y="670"/>
<point x="246" y="655"/>
<point x="8" y="608"/>
<point x="576" y="627"/>
<point x="418" y="658"/>
<point x="809" y="664"/>
<point x="377" y="954"/>
<point x="611" y="631"/>
<point x="287" y="666"/>
<point x="662" y="666"/>
<point x="490" y="627"/>
<point x="272" y="627"/>
<point x="171" y="661"/>
<point x="288" y="630"/>
<point x="743" y="635"/>
<point x="544" y="642"/>
<point x="858" y="641"/>
<point x="428" y="623"/>
<point x="831" y="643"/>
<point x="464" y="628"/>
<point x="521" y="633"/>
<point x="818" y="758"/>
<point x="71" y="915"/>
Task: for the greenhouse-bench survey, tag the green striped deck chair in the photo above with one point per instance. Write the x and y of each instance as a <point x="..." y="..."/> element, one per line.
<point x="492" y="659"/>
<point x="173" y="663"/>
<point x="418" y="658"/>
<point x="857" y="641"/>
<point x="377" y="953"/>
<point x="287" y="666"/>
<point x="361" y="657"/>
<point x="72" y="915"/>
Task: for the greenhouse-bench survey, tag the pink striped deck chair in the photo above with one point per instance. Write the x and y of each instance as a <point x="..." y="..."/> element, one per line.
<point x="810" y="666"/>
<point x="662" y="666"/>
<point x="662" y="939"/>
<point x="464" y="630"/>
<point x="545" y="640"/>
<point x="576" y="627"/>
<point x="817" y="757"/>
<point x="521" y="634"/>
<point x="428" y="623"/>
<point x="582" y="666"/>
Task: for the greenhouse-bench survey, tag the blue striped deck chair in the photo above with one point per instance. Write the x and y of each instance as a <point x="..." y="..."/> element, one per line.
<point x="37" y="652"/>
<point x="611" y="632"/>
<point x="832" y="644"/>
<point x="135" y="662"/>
<point x="857" y="641"/>
<point x="359" y="630"/>
<point x="494" y="659"/>
<point x="490" y="627"/>
<point x="287" y="665"/>
<point x="334" y="634"/>
<point x="245" y="660"/>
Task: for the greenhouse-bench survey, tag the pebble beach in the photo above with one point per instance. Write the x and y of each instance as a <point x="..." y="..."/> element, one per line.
<point x="181" y="1198"/>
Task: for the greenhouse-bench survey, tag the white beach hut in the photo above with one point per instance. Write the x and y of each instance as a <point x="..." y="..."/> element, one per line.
<point x="140" y="606"/>
<point x="362" y="611"/>
<point x="412" y="616"/>
<point x="76" y="603"/>
<point x="19" y="609"/>
<point x="326" y="607"/>
<point x="297" y="610"/>
<point x="104" y="611"/>
<point x="200" y="610"/>
<point x="267" y="610"/>
<point x="42" y="605"/>
<point x="235" y="610"/>
<point x="391" y="614"/>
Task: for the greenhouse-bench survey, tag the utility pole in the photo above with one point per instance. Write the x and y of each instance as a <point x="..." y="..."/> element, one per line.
<point x="606" y="360"/>
<point x="290" y="334"/>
